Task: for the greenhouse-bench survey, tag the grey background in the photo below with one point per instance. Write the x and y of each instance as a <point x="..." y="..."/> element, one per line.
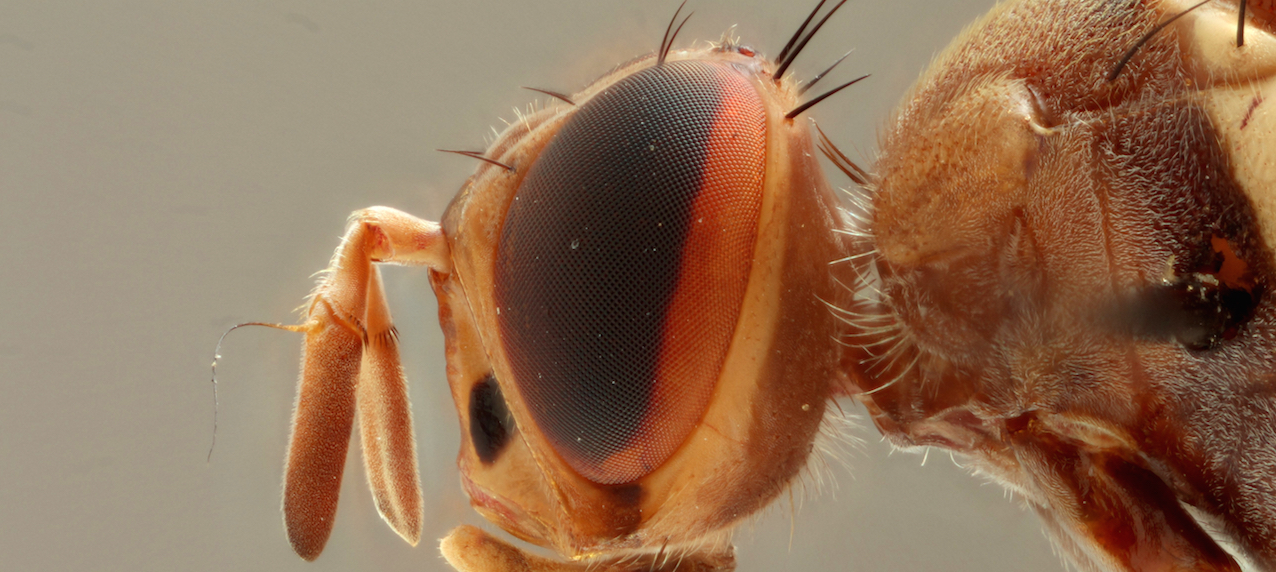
<point x="169" y="168"/>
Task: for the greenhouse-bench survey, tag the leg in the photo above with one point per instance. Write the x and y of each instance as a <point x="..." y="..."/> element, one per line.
<point x="1112" y="513"/>
<point x="347" y="315"/>
<point x="385" y="422"/>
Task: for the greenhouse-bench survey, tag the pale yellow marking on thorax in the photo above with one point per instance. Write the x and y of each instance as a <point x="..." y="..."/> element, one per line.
<point x="1239" y="92"/>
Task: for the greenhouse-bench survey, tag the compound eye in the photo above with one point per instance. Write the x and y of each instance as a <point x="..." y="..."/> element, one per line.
<point x="623" y="263"/>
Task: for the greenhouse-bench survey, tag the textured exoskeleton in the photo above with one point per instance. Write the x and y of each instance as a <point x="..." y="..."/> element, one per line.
<point x="1067" y="275"/>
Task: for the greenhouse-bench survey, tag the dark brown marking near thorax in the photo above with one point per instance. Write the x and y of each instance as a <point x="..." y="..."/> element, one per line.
<point x="1249" y="113"/>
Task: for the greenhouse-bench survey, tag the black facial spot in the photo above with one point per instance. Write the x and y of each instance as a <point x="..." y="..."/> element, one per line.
<point x="490" y="422"/>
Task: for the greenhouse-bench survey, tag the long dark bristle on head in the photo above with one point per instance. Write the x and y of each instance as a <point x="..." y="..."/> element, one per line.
<point x="1129" y="55"/>
<point x="1240" y="26"/>
<point x="798" y="33"/>
<point x="789" y="56"/>
<point x="675" y="33"/>
<point x="667" y="42"/>
<point x="840" y="160"/>
<point x="808" y="85"/>
<point x="477" y="155"/>
<point x="553" y="94"/>
<point x="805" y="106"/>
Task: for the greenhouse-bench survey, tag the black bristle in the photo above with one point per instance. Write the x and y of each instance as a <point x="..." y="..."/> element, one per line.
<point x="805" y="106"/>
<point x="798" y="33"/>
<point x="553" y="94"/>
<point x="1129" y="55"/>
<point x="1240" y="26"/>
<point x="477" y="155"/>
<point x="667" y="41"/>
<point x="808" y="85"/>
<point x="790" y="56"/>
<point x="839" y="159"/>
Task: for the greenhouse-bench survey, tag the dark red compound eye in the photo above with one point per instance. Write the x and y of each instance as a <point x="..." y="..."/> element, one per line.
<point x="623" y="263"/>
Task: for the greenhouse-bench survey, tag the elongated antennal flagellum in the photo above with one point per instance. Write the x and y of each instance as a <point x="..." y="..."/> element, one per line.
<point x="805" y="106"/>
<point x="553" y="94"/>
<point x="1129" y="55"/>
<point x="217" y="354"/>
<point x="477" y="155"/>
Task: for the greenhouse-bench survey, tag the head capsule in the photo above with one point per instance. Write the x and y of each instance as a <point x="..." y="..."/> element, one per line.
<point x="637" y="338"/>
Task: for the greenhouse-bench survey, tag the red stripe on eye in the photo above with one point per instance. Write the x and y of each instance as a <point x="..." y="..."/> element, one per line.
<point x="716" y="260"/>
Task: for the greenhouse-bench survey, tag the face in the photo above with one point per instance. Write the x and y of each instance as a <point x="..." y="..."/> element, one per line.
<point x="524" y="465"/>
